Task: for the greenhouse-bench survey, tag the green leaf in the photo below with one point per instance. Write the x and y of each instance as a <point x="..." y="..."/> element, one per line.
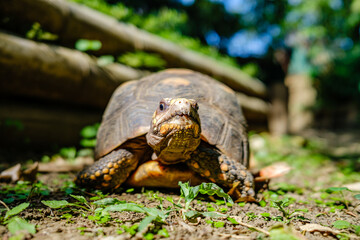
<point x="156" y="212"/>
<point x="131" y="230"/>
<point x="232" y="220"/>
<point x="86" y="45"/>
<point x="125" y="207"/>
<point x="149" y="236"/>
<point x="262" y="203"/>
<point x="357" y="196"/>
<point x="357" y="229"/>
<point x="341" y="224"/>
<point x="105" y="60"/>
<point x="56" y="204"/>
<point x="107" y="201"/>
<point x="16" y="210"/>
<point x="336" y="189"/>
<point x="130" y="190"/>
<point x="265" y="214"/>
<point x="189" y="193"/>
<point x="69" y="152"/>
<point x="88" y="143"/>
<point x="17" y="224"/>
<point x="219" y="224"/>
<point x="90" y="131"/>
<point x="145" y="222"/>
<point x="67" y="216"/>
<point x="79" y="198"/>
<point x="163" y="232"/>
<point x="192" y="214"/>
<point x="8" y="200"/>
<point x="212" y="188"/>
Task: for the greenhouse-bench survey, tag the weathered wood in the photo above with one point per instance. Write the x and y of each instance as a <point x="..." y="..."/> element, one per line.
<point x="55" y="73"/>
<point x="32" y="69"/>
<point x="254" y="108"/>
<point x="71" y="22"/>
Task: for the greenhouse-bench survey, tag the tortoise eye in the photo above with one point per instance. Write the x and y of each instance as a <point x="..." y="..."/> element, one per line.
<point x="162" y="106"/>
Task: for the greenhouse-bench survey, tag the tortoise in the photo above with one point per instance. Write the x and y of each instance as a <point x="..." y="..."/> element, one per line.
<point x="174" y="125"/>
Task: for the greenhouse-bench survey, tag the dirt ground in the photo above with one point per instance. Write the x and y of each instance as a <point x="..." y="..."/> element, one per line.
<point x="312" y="212"/>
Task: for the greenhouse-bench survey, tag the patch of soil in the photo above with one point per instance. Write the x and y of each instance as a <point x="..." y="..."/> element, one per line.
<point x="50" y="224"/>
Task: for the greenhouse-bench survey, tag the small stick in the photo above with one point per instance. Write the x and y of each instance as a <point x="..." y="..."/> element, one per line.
<point x="250" y="226"/>
<point x="233" y="236"/>
<point x="5" y="205"/>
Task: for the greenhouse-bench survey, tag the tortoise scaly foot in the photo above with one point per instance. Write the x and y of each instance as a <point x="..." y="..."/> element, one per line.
<point x="109" y="172"/>
<point x="226" y="172"/>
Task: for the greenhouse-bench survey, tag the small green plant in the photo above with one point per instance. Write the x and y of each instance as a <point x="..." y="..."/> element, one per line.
<point x="342" y="224"/>
<point x="88" y="135"/>
<point x="37" y="33"/>
<point x="287" y="215"/>
<point x="190" y="193"/>
<point x="81" y="203"/>
<point x="251" y="216"/>
<point x="68" y="152"/>
<point x="216" y="224"/>
<point x="142" y="60"/>
<point x="16" y="225"/>
<point x="339" y="195"/>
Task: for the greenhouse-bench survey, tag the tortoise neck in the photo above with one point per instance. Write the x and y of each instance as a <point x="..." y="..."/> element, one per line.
<point x="175" y="149"/>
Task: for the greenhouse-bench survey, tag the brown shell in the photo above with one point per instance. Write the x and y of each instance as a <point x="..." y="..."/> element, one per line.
<point x="128" y="114"/>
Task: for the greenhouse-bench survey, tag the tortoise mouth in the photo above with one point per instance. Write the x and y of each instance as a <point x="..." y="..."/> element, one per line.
<point x="183" y="125"/>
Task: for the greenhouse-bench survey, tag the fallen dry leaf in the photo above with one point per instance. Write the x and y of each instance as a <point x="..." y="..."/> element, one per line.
<point x="353" y="186"/>
<point x="273" y="171"/>
<point x="312" y="227"/>
<point x="11" y="174"/>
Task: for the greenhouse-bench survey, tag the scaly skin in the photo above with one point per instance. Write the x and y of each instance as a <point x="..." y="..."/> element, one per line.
<point x="226" y="172"/>
<point x="109" y="172"/>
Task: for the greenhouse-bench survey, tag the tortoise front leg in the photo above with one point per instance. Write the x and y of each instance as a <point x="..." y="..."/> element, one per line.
<point x="109" y="172"/>
<point x="228" y="173"/>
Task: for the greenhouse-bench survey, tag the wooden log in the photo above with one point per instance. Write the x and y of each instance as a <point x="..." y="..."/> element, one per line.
<point x="32" y="69"/>
<point x="254" y="108"/>
<point x="55" y="73"/>
<point x="72" y="21"/>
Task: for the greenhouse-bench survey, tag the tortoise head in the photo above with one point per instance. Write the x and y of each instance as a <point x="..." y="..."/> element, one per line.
<point x="175" y="130"/>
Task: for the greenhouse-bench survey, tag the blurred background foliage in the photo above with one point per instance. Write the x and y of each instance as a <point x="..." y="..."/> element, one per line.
<point x="249" y="32"/>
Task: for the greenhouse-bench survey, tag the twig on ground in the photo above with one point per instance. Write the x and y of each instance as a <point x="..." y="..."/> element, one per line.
<point x="7" y="208"/>
<point x="233" y="236"/>
<point x="250" y="226"/>
<point x="351" y="213"/>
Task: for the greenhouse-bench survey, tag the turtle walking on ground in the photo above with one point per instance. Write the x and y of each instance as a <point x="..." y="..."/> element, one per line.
<point x="175" y="125"/>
